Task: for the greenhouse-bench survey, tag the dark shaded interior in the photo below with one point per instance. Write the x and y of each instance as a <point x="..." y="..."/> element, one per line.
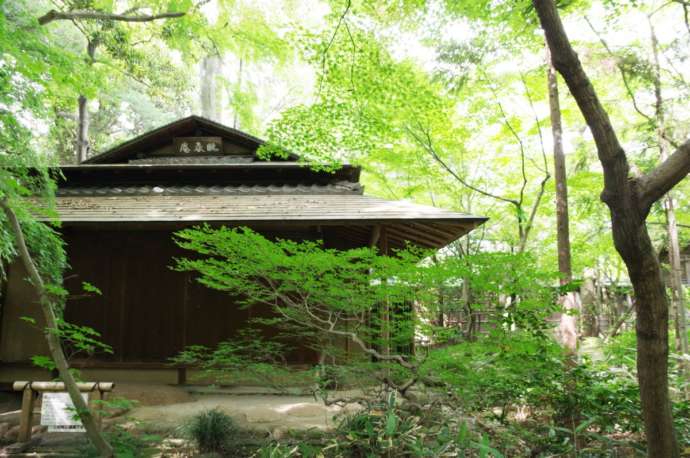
<point x="147" y="311"/>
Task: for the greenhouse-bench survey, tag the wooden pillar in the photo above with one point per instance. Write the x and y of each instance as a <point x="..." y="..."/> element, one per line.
<point x="26" y="414"/>
<point x="182" y="371"/>
<point x="375" y="235"/>
<point x="122" y="300"/>
<point x="181" y="375"/>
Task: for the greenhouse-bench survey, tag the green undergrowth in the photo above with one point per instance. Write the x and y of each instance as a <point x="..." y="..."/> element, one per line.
<point x="126" y="444"/>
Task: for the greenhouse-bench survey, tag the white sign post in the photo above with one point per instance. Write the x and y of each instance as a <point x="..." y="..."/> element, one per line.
<point x="58" y="414"/>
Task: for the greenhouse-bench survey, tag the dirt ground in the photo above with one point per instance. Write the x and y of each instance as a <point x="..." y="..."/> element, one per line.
<point x="152" y="395"/>
<point x="262" y="412"/>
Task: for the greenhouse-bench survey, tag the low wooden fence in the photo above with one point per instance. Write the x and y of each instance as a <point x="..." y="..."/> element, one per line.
<point x="29" y="389"/>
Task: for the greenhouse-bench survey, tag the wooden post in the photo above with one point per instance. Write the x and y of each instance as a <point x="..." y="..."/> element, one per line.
<point x="98" y="410"/>
<point x="181" y="375"/>
<point x="26" y="414"/>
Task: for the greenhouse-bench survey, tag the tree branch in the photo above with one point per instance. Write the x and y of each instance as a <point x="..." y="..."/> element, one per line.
<point x="686" y="14"/>
<point x="658" y="223"/>
<point x="626" y="83"/>
<point x="533" y="213"/>
<point x="547" y="176"/>
<point x="621" y="320"/>
<point x="54" y="15"/>
<point x="521" y="145"/>
<point x="348" y="5"/>
<point x="565" y="60"/>
<point x="330" y="329"/>
<point x="665" y="176"/>
<point x="624" y="76"/>
<point x="429" y="147"/>
<point x="539" y="130"/>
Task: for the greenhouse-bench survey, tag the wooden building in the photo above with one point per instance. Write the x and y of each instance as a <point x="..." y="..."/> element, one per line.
<point x="119" y="209"/>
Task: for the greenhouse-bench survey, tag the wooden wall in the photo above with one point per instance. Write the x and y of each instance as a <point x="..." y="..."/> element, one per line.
<point x="147" y="311"/>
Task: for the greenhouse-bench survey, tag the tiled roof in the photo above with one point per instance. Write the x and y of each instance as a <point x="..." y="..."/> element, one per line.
<point x="342" y="187"/>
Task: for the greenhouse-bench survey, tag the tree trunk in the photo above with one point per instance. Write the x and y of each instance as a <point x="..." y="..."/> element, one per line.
<point x="53" y="340"/>
<point x="562" y="222"/>
<point x="629" y="200"/>
<point x="568" y="322"/>
<point x="678" y="292"/>
<point x="678" y="295"/>
<point x="466" y="300"/>
<point x="210" y="108"/>
<point x="590" y="325"/>
<point x="567" y="326"/>
<point x="652" y="334"/>
<point x="235" y="118"/>
<point x="82" y="146"/>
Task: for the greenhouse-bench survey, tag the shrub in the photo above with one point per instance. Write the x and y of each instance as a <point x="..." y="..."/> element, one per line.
<point x="498" y="370"/>
<point x="212" y="430"/>
<point x="389" y="429"/>
<point x="124" y="443"/>
<point x="247" y="359"/>
<point x="376" y="432"/>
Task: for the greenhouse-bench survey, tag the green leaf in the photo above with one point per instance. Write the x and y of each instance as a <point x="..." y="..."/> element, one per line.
<point x="391" y="424"/>
<point x="28" y="319"/>
<point x="89" y="288"/>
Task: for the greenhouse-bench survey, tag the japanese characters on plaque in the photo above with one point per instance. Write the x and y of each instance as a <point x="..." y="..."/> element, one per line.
<point x="57" y="413"/>
<point x="194" y="146"/>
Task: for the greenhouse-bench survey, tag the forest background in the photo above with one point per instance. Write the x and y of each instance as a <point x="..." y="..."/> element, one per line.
<point x="442" y="103"/>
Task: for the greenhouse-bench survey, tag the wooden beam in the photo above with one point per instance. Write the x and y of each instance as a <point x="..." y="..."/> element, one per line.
<point x="60" y="386"/>
<point x="415" y="236"/>
<point x="395" y="241"/>
<point x="440" y="230"/>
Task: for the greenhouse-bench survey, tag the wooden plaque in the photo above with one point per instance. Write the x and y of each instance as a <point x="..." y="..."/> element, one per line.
<point x="197" y="146"/>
